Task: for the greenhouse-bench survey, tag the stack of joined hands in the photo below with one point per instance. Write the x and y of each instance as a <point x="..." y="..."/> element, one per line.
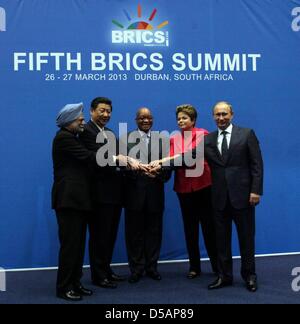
<point x="151" y="170"/>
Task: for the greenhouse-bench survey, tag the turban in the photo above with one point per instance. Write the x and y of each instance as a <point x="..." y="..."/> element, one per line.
<point x="69" y="114"/>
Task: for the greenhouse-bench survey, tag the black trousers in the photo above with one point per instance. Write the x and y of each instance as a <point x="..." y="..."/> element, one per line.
<point x="197" y="209"/>
<point x="143" y="239"/>
<point x="103" y="228"/>
<point x="244" y="220"/>
<point x="72" y="225"/>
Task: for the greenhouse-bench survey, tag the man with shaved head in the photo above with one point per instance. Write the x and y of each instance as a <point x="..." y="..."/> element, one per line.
<point x="144" y="203"/>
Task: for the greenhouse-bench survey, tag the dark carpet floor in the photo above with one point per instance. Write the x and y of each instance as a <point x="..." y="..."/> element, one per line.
<point x="274" y="273"/>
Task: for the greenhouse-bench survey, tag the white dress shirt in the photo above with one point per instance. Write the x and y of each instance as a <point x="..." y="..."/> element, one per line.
<point x="145" y="136"/>
<point x="228" y="137"/>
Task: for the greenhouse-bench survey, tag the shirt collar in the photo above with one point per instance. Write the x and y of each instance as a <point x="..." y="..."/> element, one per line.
<point x="101" y="129"/>
<point x="142" y="133"/>
<point x="228" y="130"/>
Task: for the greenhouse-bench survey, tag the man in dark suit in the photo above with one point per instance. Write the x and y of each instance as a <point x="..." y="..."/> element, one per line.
<point x="235" y="159"/>
<point x="71" y="200"/>
<point x="144" y="202"/>
<point x="107" y="191"/>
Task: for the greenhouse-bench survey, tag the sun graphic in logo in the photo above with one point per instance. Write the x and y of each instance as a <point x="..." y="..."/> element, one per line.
<point x="140" y="25"/>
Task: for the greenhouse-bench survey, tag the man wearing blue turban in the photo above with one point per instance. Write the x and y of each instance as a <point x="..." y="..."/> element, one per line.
<point x="71" y="200"/>
<point x="69" y="114"/>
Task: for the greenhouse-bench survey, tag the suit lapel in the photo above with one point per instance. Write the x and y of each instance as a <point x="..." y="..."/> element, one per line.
<point x="233" y="141"/>
<point x="96" y="130"/>
<point x="93" y="127"/>
<point x="132" y="145"/>
<point x="215" y="141"/>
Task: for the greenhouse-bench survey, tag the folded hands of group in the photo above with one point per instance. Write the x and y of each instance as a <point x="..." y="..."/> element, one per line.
<point x="151" y="170"/>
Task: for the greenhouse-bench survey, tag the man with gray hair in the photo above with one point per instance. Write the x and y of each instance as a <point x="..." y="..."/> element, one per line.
<point x="71" y="200"/>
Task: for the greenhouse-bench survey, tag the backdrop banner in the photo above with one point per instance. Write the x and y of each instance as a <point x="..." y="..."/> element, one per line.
<point x="157" y="54"/>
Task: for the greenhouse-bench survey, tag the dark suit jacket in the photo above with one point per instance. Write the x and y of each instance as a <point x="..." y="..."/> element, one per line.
<point x="142" y="190"/>
<point x="241" y="174"/>
<point x="71" y="162"/>
<point x="106" y="182"/>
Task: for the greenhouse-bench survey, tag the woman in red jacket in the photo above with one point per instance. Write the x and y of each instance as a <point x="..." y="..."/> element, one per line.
<point x="194" y="193"/>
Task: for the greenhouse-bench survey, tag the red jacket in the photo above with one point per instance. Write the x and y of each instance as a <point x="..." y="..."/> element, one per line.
<point x="184" y="184"/>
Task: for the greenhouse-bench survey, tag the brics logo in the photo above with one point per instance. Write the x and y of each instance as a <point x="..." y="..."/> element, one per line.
<point x="140" y="31"/>
<point x="2" y="20"/>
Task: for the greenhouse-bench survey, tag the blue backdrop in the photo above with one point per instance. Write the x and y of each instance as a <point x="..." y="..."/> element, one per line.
<point x="199" y="52"/>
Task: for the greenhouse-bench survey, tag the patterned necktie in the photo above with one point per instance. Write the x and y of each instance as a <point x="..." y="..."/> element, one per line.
<point x="144" y="154"/>
<point x="145" y="138"/>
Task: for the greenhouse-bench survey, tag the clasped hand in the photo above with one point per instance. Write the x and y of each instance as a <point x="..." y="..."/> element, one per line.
<point x="151" y="170"/>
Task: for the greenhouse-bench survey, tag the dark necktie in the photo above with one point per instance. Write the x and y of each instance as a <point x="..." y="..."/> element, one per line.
<point x="224" y="146"/>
